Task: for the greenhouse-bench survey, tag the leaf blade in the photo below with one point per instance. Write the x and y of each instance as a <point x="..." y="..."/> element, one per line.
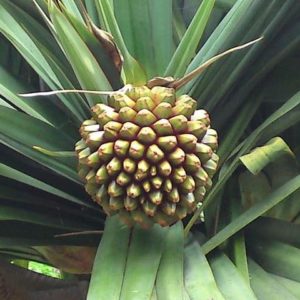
<point x="187" y="46"/>
<point x="83" y="62"/>
<point x="169" y="280"/>
<point x="143" y="261"/>
<point x="110" y="262"/>
<point x="252" y="213"/>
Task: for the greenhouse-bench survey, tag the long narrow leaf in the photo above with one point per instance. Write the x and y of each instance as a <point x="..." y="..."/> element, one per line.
<point x="35" y="44"/>
<point x="109" y="264"/>
<point x="162" y="33"/>
<point x="187" y="47"/>
<point x="21" y="132"/>
<point x="144" y="256"/>
<point x="23" y="178"/>
<point x="269" y="228"/>
<point x="252" y="213"/>
<point x="239" y="253"/>
<point x="169" y="281"/>
<point x="229" y="280"/>
<point x="44" y="109"/>
<point x="198" y="278"/>
<point x="265" y="286"/>
<point x="133" y="72"/>
<point x="291" y="285"/>
<point x="290" y="105"/>
<point x="277" y="257"/>
<point x="84" y="64"/>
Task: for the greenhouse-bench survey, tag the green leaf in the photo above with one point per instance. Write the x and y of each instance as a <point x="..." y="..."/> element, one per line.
<point x="178" y="83"/>
<point x="276" y="257"/>
<point x="92" y="11"/>
<point x="21" y="177"/>
<point x="291" y="285"/>
<point x="123" y="17"/>
<point x="245" y="146"/>
<point x="41" y="108"/>
<point x="5" y="104"/>
<point x="21" y="132"/>
<point x="269" y="18"/>
<point x="186" y="295"/>
<point x="38" y="47"/>
<point x="279" y="172"/>
<point x="258" y="158"/>
<point x="252" y="213"/>
<point x="237" y="128"/>
<point x="169" y="281"/>
<point x="27" y="6"/>
<point x="239" y="254"/>
<point x="145" y="251"/>
<point x="230" y="282"/>
<point x="141" y="27"/>
<point x="83" y="62"/>
<point x="225" y="35"/>
<point x="132" y="71"/>
<point x="276" y="55"/>
<point x="26" y="234"/>
<point x="98" y="51"/>
<point x="143" y="24"/>
<point x="14" y="197"/>
<point x="250" y="195"/>
<point x="269" y="228"/>
<point x="179" y="27"/>
<point x="55" y="220"/>
<point x="72" y="7"/>
<point x="284" y="123"/>
<point x="110" y="261"/>
<point x="162" y="33"/>
<point x="265" y="286"/>
<point x="275" y="174"/>
<point x="187" y="47"/>
<point x="225" y="4"/>
<point x="198" y="278"/>
<point x="11" y="255"/>
<point x="154" y="294"/>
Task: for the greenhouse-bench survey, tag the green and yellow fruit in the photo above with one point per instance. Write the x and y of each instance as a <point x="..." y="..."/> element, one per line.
<point x="147" y="155"/>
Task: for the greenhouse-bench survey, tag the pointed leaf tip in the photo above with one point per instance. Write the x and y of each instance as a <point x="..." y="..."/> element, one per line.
<point x="178" y="83"/>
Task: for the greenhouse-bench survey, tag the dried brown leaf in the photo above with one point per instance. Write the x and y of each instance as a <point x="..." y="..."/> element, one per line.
<point x="160" y="81"/>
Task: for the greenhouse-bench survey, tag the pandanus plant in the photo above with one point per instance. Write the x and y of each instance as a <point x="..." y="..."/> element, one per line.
<point x="148" y="155"/>
<point x="140" y="89"/>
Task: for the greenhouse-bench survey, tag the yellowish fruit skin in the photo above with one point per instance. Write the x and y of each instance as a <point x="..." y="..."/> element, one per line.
<point x="147" y="155"/>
